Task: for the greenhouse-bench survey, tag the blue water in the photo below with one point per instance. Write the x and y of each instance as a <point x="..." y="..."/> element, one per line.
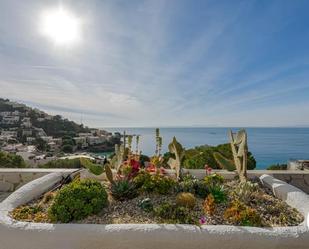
<point x="268" y="145"/>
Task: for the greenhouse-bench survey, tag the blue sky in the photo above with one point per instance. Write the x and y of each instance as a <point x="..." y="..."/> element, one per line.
<point x="162" y="63"/>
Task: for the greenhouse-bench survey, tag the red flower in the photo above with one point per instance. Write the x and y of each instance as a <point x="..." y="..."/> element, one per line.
<point x="135" y="167"/>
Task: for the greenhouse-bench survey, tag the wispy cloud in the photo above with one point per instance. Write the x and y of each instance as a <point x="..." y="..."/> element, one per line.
<point x="157" y="62"/>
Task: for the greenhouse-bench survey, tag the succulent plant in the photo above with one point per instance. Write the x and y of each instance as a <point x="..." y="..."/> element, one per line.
<point x="239" y="146"/>
<point x="109" y="174"/>
<point x="137" y="143"/>
<point x="176" y="163"/>
<point x="158" y="143"/>
<point x="224" y="162"/>
<point x="120" y="155"/>
<point x="209" y="204"/>
<point x="146" y="204"/>
<point x="186" y="199"/>
<point x="123" y="189"/>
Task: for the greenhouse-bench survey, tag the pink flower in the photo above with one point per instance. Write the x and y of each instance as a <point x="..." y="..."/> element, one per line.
<point x="151" y="168"/>
<point x="162" y="171"/>
<point x="208" y="169"/>
<point x="202" y="220"/>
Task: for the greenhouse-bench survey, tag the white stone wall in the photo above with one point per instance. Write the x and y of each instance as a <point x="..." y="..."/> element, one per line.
<point x="12" y="179"/>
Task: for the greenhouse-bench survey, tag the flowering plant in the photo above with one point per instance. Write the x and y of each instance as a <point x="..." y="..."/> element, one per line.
<point x="208" y="169"/>
<point x="129" y="169"/>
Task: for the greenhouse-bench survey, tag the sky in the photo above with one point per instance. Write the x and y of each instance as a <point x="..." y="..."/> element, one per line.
<point x="161" y="63"/>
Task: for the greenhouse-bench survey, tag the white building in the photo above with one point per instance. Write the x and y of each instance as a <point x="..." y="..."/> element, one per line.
<point x="47" y="139"/>
<point x="95" y="140"/>
<point x="11" y="134"/>
<point x="40" y="132"/>
<point x="26" y="122"/>
<point x="27" y="132"/>
<point x="10" y="119"/>
<point x="30" y="139"/>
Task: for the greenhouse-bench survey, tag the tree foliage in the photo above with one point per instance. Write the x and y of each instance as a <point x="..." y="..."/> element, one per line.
<point x="10" y="160"/>
<point x="197" y="157"/>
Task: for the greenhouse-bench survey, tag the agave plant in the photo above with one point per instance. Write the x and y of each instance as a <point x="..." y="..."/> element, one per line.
<point x="123" y="189"/>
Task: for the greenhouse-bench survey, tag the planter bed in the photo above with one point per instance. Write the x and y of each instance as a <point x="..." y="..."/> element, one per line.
<point x="40" y="235"/>
<point x="272" y="211"/>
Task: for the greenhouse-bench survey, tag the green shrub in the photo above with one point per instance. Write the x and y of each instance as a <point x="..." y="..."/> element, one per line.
<point x="244" y="191"/>
<point x="158" y="184"/>
<point x="123" y="189"/>
<point x="187" y="184"/>
<point x="141" y="178"/>
<point x="277" y="167"/>
<point x="192" y="185"/>
<point x="10" y="160"/>
<point x="197" y="157"/>
<point x="214" y="179"/>
<point x="67" y="148"/>
<point x="201" y="189"/>
<point x="77" y="200"/>
<point x="62" y="163"/>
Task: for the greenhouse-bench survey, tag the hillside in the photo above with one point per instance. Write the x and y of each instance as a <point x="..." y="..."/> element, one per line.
<point x="16" y="115"/>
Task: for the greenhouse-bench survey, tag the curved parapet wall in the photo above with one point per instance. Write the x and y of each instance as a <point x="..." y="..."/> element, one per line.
<point x="16" y="235"/>
<point x="290" y="194"/>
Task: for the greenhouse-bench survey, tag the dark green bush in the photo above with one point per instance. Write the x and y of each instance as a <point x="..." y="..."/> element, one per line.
<point x="214" y="179"/>
<point x="77" y="200"/>
<point x="192" y="185"/>
<point x="197" y="157"/>
<point x="10" y="160"/>
<point x="141" y="178"/>
<point x="62" y="163"/>
<point x="277" y="167"/>
<point x="143" y="159"/>
<point x="123" y="189"/>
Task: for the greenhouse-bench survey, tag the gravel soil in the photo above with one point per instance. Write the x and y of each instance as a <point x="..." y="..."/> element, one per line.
<point x="273" y="211"/>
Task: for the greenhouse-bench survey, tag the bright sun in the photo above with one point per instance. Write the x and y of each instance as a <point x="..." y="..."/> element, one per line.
<point x="61" y="26"/>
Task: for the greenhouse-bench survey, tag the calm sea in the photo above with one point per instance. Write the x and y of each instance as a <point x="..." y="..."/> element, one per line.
<point x="268" y="145"/>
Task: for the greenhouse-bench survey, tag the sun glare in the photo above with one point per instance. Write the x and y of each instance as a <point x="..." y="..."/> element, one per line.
<point x="61" y="26"/>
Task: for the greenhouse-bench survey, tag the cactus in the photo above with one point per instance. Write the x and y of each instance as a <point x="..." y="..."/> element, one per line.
<point x="176" y="149"/>
<point x="109" y="174"/>
<point x="130" y="139"/>
<point x="159" y="145"/>
<point x="239" y="147"/>
<point x="137" y="143"/>
<point x="124" y="139"/>
<point x="137" y="151"/>
<point x="120" y="155"/>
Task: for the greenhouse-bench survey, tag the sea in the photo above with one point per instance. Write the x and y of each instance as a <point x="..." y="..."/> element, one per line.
<point x="268" y="145"/>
